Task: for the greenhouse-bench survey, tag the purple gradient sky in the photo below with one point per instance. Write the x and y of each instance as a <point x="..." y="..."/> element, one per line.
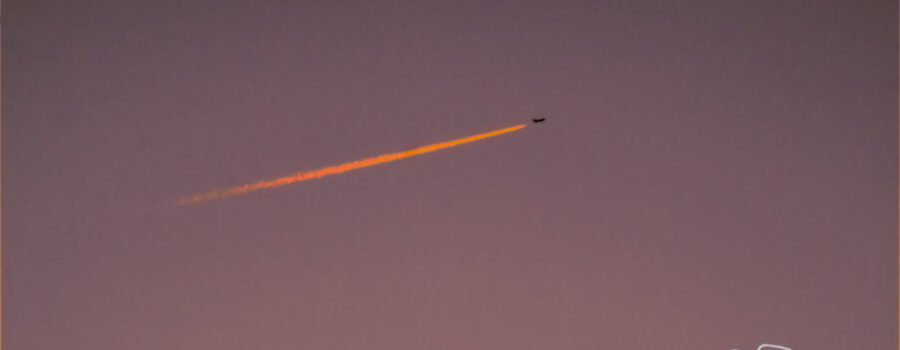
<point x="712" y="175"/>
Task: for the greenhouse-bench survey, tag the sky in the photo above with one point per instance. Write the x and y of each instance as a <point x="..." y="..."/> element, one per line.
<point x="711" y="174"/>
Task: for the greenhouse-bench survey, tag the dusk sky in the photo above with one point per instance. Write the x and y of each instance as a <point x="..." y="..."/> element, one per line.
<point x="711" y="174"/>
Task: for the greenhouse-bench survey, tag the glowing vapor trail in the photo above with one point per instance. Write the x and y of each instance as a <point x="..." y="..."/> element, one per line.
<point x="337" y="169"/>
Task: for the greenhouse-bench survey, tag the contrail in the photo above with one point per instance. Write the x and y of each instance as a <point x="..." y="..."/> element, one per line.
<point x="337" y="169"/>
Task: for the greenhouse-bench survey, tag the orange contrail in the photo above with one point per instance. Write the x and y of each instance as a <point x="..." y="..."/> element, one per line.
<point x="337" y="169"/>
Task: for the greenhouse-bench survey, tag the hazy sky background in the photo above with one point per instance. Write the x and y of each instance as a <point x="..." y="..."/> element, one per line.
<point x="711" y="175"/>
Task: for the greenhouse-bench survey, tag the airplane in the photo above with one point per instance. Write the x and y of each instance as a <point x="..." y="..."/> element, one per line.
<point x="537" y="120"/>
